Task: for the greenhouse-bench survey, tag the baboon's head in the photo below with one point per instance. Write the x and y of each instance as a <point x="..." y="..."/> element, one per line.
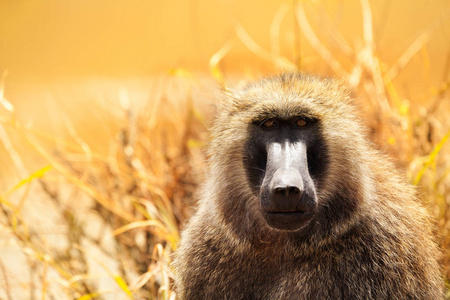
<point x="286" y="142"/>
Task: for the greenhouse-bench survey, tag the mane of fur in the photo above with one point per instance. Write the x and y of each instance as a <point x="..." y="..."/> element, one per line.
<point x="363" y="204"/>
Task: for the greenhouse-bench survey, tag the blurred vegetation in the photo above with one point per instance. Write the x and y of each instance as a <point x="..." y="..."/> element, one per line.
<point x="102" y="221"/>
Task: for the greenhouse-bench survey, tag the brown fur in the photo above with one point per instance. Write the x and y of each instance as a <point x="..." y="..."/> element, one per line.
<point x="370" y="238"/>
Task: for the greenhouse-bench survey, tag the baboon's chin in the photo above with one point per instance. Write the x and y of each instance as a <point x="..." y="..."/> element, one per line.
<point x="288" y="221"/>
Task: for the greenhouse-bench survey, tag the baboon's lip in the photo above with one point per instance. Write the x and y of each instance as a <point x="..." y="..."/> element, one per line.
<point x="288" y="220"/>
<point x="288" y="212"/>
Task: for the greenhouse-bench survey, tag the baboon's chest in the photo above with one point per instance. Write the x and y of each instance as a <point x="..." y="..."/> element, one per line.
<point x="254" y="279"/>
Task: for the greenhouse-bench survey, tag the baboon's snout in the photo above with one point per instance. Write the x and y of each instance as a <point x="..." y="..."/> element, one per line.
<point x="288" y="197"/>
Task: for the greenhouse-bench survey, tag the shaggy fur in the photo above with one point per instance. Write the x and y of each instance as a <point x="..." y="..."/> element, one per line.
<point x="370" y="237"/>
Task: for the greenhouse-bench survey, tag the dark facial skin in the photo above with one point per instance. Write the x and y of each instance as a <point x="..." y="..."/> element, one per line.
<point x="284" y="159"/>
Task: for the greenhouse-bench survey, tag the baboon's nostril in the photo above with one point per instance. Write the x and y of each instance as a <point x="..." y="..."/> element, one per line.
<point x="287" y="191"/>
<point x="293" y="190"/>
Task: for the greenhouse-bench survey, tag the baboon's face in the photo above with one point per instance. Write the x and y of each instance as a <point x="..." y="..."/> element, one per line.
<point x="283" y="158"/>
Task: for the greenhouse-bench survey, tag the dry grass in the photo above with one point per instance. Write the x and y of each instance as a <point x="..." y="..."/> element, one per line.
<point x="121" y="209"/>
<point x="103" y="224"/>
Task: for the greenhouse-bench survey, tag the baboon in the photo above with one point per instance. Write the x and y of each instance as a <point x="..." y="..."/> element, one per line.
<point x="299" y="205"/>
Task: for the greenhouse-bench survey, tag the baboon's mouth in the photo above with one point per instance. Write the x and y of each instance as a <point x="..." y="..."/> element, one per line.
<point x="286" y="212"/>
<point x="288" y="220"/>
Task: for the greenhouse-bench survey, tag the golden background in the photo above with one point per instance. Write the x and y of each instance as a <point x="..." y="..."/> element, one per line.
<point x="105" y="104"/>
<point x="127" y="37"/>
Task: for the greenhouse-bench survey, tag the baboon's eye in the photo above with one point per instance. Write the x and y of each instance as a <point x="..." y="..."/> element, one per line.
<point x="270" y="123"/>
<point x="301" y="123"/>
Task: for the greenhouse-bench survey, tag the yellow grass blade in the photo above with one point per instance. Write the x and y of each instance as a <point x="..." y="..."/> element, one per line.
<point x="214" y="62"/>
<point x="431" y="158"/>
<point x="139" y="224"/>
<point x="11" y="149"/>
<point x="367" y="23"/>
<point x="90" y="296"/>
<point x="123" y="285"/>
<point x="180" y="72"/>
<point x="38" y="174"/>
<point x="5" y="103"/>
